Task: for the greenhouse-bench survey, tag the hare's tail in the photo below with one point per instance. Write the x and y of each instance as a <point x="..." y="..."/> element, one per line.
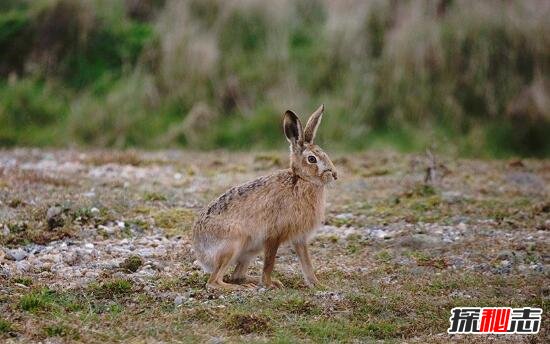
<point x="203" y="260"/>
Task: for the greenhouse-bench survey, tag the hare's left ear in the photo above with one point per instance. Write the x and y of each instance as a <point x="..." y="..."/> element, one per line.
<point x="313" y="124"/>
<point x="293" y="130"/>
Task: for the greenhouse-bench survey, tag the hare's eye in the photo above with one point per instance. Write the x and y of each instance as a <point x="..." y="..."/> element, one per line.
<point x="311" y="159"/>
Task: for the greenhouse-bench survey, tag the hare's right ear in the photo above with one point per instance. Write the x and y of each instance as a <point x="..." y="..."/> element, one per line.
<point x="293" y="130"/>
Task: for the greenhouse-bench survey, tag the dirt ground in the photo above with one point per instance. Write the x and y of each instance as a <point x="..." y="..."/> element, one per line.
<point x="95" y="247"/>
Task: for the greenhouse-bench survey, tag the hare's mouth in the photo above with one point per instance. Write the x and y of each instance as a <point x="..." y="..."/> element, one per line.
<point x="329" y="176"/>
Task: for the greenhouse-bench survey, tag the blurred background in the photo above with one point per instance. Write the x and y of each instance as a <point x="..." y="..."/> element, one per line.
<point x="464" y="77"/>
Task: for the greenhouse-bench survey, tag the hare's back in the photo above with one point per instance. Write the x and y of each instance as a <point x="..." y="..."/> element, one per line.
<point x="253" y="197"/>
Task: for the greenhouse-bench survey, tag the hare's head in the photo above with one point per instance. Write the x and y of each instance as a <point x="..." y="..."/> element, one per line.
<point x="308" y="160"/>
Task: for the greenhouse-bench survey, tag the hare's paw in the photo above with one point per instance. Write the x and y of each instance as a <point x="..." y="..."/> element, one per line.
<point x="273" y="284"/>
<point x="247" y="280"/>
<point x="314" y="283"/>
<point x="224" y="286"/>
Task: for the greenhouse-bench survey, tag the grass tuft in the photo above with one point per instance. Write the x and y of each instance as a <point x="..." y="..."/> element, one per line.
<point x="112" y="288"/>
<point x="247" y="323"/>
<point x="132" y="263"/>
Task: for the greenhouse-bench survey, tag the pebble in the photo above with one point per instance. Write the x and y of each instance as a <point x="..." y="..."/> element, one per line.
<point x="74" y="261"/>
<point x="421" y="241"/>
<point x="379" y="234"/>
<point x="23" y="266"/>
<point x="16" y="254"/>
<point x="178" y="300"/>
<point x="344" y="216"/>
<point x="462" y="226"/>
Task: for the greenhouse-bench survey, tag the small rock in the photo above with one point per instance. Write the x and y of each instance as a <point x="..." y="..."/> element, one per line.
<point x="5" y="271"/>
<point x="91" y="274"/>
<point x="16" y="254"/>
<point x="452" y="197"/>
<point x="505" y="267"/>
<point x="421" y="241"/>
<point x="344" y="216"/>
<point x="71" y="258"/>
<point x="94" y="211"/>
<point x="178" y="300"/>
<point x="505" y="255"/>
<point x="23" y="266"/>
<point x="537" y="267"/>
<point x="526" y="179"/>
<point x="379" y="234"/>
<point x="460" y="294"/>
<point x="119" y="274"/>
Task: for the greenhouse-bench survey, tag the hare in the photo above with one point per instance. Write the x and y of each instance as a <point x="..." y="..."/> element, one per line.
<point x="285" y="206"/>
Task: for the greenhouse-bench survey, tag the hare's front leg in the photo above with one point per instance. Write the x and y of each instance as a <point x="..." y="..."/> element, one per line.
<point x="305" y="261"/>
<point x="270" y="252"/>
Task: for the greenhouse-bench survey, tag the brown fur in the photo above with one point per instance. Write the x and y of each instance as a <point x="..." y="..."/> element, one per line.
<point x="266" y="212"/>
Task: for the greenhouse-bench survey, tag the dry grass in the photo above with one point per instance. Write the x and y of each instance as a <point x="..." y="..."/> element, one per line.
<point x="396" y="287"/>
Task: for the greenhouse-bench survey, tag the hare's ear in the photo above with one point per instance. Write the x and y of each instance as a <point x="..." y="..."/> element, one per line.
<point x="293" y="129"/>
<point x="313" y="124"/>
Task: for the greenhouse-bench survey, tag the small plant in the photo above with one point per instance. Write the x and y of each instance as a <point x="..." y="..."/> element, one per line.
<point x="384" y="256"/>
<point x="132" y="263"/>
<point x="175" y="221"/>
<point x="154" y="196"/>
<point x="5" y="326"/>
<point x="297" y="305"/>
<point x="247" y="323"/>
<point x="421" y="190"/>
<point x="36" y="300"/>
<point x="112" y="288"/>
<point x="18" y="227"/>
<point x="60" y="331"/>
<point x="26" y="281"/>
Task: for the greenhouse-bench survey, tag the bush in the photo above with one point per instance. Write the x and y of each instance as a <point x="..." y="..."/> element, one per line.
<point x="31" y="113"/>
<point x="468" y="78"/>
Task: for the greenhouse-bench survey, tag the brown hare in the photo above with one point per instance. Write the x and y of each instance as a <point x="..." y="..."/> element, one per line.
<point x="285" y="206"/>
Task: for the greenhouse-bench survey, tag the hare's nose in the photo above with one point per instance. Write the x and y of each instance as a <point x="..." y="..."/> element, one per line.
<point x="334" y="175"/>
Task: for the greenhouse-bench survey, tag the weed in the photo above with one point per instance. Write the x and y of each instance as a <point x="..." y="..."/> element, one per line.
<point x="60" y="330"/>
<point x="154" y="196"/>
<point x="27" y="281"/>
<point x="5" y="326"/>
<point x="112" y="288"/>
<point x="175" y="221"/>
<point x="132" y="263"/>
<point x="247" y="323"/>
<point x="36" y="300"/>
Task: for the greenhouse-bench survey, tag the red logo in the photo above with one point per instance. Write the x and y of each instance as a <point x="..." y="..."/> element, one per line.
<point x="503" y="320"/>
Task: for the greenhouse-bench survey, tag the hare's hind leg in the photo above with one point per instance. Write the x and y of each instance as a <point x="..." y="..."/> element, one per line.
<point x="240" y="275"/>
<point x="221" y="264"/>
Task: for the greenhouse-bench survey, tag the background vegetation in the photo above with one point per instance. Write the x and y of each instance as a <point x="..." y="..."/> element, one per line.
<point x="469" y="77"/>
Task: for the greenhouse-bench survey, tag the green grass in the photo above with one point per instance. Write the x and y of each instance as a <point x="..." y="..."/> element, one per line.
<point x="37" y="300"/>
<point x="112" y="288"/>
<point x="132" y="263"/>
<point x="5" y="326"/>
<point x="465" y="82"/>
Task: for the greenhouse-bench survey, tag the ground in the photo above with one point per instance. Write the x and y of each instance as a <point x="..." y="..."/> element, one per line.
<point x="95" y="247"/>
